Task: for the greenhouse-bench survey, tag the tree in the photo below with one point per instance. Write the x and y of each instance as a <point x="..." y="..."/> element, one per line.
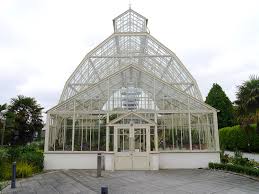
<point x="2" y="121"/>
<point x="24" y="118"/>
<point x="248" y="102"/>
<point x="219" y="100"/>
<point x="2" y="107"/>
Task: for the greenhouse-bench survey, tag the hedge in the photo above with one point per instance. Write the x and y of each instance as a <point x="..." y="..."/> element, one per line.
<point x="236" y="138"/>
<point x="235" y="168"/>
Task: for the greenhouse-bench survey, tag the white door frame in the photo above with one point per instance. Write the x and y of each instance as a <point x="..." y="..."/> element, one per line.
<point x="132" y="160"/>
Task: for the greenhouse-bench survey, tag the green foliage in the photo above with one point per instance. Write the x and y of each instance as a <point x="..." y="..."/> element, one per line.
<point x="237" y="160"/>
<point x="235" y="168"/>
<point x="236" y="138"/>
<point x="14" y="153"/>
<point x="34" y="158"/>
<point x="224" y="158"/>
<point x="23" y="169"/>
<point x="6" y="171"/>
<point x="3" y="107"/>
<point x="248" y="102"/>
<point x="38" y="145"/>
<point x="2" y="122"/>
<point x="9" y="125"/>
<point x="24" y="120"/>
<point x="3" y="154"/>
<point x="29" y="153"/>
<point x="27" y="157"/>
<point x="248" y="95"/>
<point x="253" y="163"/>
<point x="219" y="100"/>
<point x="1" y="171"/>
<point x="3" y="161"/>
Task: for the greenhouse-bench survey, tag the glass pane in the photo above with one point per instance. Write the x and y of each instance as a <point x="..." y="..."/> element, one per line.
<point x="111" y="143"/>
<point x="160" y="137"/>
<point x="140" y="140"/>
<point x="123" y="140"/>
<point x="152" y="138"/>
<point x="78" y="135"/>
<point x="68" y="135"/>
<point x="86" y="138"/>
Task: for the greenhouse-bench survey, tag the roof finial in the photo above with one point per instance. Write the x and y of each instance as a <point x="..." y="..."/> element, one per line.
<point x="129" y="4"/>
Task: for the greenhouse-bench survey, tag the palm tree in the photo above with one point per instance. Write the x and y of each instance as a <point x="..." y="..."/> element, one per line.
<point x="248" y="102"/>
<point x="27" y="119"/>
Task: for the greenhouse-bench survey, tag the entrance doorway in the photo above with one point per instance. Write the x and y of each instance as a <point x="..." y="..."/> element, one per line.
<point x="132" y="147"/>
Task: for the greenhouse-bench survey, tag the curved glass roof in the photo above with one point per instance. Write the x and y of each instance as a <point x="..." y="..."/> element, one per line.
<point x="130" y="44"/>
<point x="131" y="70"/>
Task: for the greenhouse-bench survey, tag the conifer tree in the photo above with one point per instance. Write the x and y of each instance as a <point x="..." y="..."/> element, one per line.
<point x="219" y="100"/>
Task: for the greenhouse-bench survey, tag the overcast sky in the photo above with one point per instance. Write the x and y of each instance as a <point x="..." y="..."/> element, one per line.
<point x="43" y="41"/>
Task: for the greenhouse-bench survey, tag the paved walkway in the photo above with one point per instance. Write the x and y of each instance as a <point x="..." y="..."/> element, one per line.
<point x="131" y="182"/>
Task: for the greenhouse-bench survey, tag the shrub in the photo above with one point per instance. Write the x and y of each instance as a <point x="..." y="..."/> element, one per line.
<point x="254" y="163"/>
<point x="6" y="171"/>
<point x="3" y="161"/>
<point x="224" y="158"/>
<point x="39" y="145"/>
<point x="31" y="155"/>
<point x="239" y="160"/>
<point x="33" y="158"/>
<point x="32" y="147"/>
<point x="236" y="138"/>
<point x="235" y="168"/>
<point x="3" y="154"/>
<point x="14" y="153"/>
<point x="23" y="169"/>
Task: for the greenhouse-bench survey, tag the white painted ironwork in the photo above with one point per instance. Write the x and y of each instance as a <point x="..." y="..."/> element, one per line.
<point x="131" y="81"/>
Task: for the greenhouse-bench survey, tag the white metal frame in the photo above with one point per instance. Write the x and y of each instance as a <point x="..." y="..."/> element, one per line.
<point x="132" y="155"/>
<point x="131" y="73"/>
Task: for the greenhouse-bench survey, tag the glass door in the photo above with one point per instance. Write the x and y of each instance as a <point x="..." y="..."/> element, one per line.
<point x="140" y="154"/>
<point x="140" y="142"/>
<point x="123" y="140"/>
<point x="122" y="148"/>
<point x="132" y="146"/>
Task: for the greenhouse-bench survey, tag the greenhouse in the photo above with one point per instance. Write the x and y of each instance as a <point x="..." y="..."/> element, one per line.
<point x="132" y="100"/>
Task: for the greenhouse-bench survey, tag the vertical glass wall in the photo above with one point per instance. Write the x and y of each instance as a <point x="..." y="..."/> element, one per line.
<point x="89" y="133"/>
<point x="173" y="132"/>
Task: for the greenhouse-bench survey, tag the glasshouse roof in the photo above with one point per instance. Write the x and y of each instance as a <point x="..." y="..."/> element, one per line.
<point x="131" y="57"/>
